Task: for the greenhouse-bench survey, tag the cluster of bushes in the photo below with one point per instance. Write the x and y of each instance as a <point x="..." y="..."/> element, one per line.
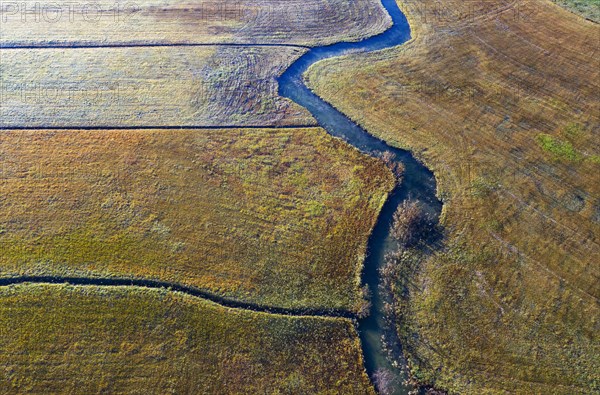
<point x="365" y="303"/>
<point x="384" y="381"/>
<point x="393" y="164"/>
<point x="412" y="224"/>
<point x="413" y="228"/>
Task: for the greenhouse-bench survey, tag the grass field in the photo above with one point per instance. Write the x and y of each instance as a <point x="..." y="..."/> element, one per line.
<point x="158" y="86"/>
<point x="274" y="217"/>
<point x="138" y="341"/>
<point x="278" y="217"/>
<point x="502" y="101"/>
<point x="300" y="22"/>
<point x="586" y="8"/>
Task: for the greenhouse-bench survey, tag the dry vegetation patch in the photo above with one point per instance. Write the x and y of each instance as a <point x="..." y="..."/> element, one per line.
<point x="84" y="340"/>
<point x="301" y="22"/>
<point x="277" y="217"/>
<point x="502" y="101"/>
<point x="157" y="86"/>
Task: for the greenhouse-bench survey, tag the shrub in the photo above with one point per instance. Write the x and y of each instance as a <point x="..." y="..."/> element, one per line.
<point x="395" y="166"/>
<point x="482" y="187"/>
<point x="412" y="224"/>
<point x="364" y="308"/>
<point x="384" y="381"/>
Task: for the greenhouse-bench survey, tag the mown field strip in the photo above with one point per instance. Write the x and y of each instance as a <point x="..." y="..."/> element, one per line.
<point x="141" y="45"/>
<point x="140" y="86"/>
<point x="172" y="127"/>
<point x="306" y="22"/>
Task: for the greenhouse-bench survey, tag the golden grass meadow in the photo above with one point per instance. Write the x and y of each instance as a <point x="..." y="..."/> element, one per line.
<point x="278" y="217"/>
<point x="502" y="101"/>
<point x="88" y="340"/>
<point x="149" y="141"/>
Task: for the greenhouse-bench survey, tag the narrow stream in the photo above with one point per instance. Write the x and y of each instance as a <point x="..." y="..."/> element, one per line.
<point x="418" y="183"/>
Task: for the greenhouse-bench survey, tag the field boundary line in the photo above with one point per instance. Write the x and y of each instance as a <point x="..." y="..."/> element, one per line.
<point x="166" y="127"/>
<point x="175" y="287"/>
<point x="144" y="45"/>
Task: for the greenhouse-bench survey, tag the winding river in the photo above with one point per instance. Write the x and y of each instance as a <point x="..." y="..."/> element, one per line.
<point x="418" y="184"/>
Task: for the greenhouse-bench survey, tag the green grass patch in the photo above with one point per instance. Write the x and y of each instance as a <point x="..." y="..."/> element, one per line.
<point x="561" y="150"/>
<point x="586" y="8"/>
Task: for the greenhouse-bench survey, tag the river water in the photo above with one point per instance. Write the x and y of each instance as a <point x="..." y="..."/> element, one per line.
<point x="418" y="184"/>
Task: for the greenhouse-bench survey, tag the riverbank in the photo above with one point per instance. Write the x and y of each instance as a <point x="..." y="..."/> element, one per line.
<point x="381" y="349"/>
<point x="504" y="109"/>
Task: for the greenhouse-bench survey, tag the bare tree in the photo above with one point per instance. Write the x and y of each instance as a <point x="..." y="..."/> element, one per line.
<point x="412" y="224"/>
<point x="383" y="379"/>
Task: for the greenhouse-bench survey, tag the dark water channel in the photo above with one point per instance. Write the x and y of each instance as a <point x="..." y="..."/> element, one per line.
<point x="418" y="183"/>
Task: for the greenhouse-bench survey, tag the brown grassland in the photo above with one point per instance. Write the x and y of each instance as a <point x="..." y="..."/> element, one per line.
<point x="157" y="86"/>
<point x="91" y="340"/>
<point x="279" y="217"/>
<point x="502" y="100"/>
<point x="300" y="22"/>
